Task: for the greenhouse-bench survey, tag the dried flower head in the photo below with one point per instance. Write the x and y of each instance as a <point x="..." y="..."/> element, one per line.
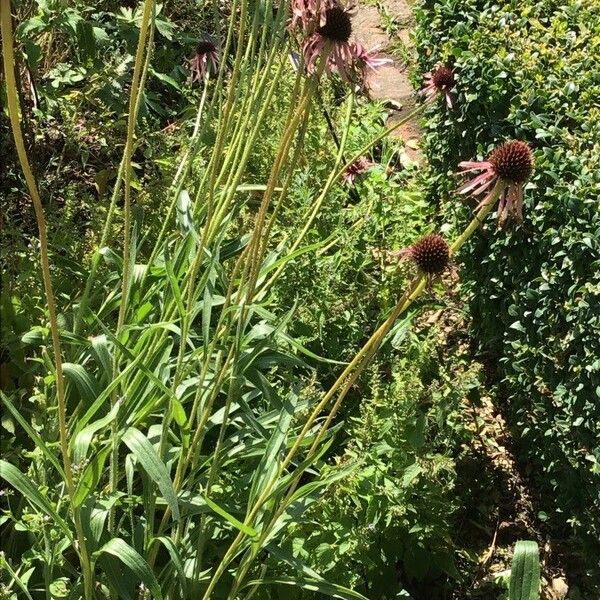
<point x="512" y="161"/>
<point x="205" y="60"/>
<point x="509" y="165"/>
<point x="358" y="167"/>
<point x="431" y="254"/>
<point x="440" y="81"/>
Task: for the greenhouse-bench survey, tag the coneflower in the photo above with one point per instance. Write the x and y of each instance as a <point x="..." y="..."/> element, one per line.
<point x="431" y="255"/>
<point x="440" y="81"/>
<point x="205" y="60"/>
<point x="511" y="164"/>
<point x="331" y="39"/>
<point x="368" y="59"/>
<point x="358" y="167"/>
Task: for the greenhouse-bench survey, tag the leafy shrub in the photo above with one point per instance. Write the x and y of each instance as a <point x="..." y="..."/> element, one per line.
<point x="529" y="70"/>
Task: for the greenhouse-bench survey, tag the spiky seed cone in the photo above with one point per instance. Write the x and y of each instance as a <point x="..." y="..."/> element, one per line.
<point x="338" y="26"/>
<point x="512" y="161"/>
<point x="205" y="47"/>
<point x="431" y="254"/>
<point x="443" y="78"/>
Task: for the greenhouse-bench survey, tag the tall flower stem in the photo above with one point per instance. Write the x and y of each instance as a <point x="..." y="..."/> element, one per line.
<point x="95" y="261"/>
<point x="131" y="121"/>
<point x="333" y="177"/>
<point x="14" y="114"/>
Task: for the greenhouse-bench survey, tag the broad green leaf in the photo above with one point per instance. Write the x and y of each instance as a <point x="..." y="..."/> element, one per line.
<point x="147" y="456"/>
<point x="12" y="475"/>
<point x="103" y="352"/>
<point x="525" y="572"/>
<point x="134" y="562"/>
<point x="86" y="384"/>
<point x="82" y="440"/>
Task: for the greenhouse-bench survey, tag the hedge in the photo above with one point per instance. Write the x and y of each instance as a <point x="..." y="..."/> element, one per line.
<point x="530" y="70"/>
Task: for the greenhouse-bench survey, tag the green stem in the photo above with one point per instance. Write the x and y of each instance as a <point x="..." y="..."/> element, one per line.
<point x="135" y="89"/>
<point x="106" y="230"/>
<point x="14" y="114"/>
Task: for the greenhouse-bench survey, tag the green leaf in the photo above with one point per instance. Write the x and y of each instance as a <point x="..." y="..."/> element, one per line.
<point x="23" y="484"/>
<point x="176" y="559"/>
<point x="82" y="440"/>
<point x="33" y="435"/>
<point x="237" y="524"/>
<point x="4" y="565"/>
<point x="269" y="464"/>
<point x="312" y="585"/>
<point x="133" y="561"/>
<point x="525" y="572"/>
<point x="86" y="384"/>
<point x="90" y="477"/>
<point x="146" y="455"/>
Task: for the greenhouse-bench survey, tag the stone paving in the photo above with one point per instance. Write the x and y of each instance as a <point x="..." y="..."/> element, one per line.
<point x="390" y="83"/>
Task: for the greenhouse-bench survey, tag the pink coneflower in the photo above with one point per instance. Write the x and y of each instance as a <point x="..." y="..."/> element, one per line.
<point x="440" y="81"/>
<point x="332" y="38"/>
<point x="358" y="167"/>
<point x="511" y="163"/>
<point x="205" y="60"/>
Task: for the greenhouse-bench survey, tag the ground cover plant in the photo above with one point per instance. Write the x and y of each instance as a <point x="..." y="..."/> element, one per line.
<point x="225" y="369"/>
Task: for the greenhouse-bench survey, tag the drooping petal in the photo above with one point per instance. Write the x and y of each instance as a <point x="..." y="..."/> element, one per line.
<point x="483" y="179"/>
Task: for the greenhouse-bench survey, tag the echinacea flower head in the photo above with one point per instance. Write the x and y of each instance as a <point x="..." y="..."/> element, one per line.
<point x="330" y="40"/>
<point x="431" y="254"/>
<point x="440" y="81"/>
<point x="204" y="61"/>
<point x="358" y="167"/>
<point x="510" y="164"/>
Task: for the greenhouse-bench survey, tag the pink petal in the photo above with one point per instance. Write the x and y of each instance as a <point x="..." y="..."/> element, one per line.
<point x="479" y="180"/>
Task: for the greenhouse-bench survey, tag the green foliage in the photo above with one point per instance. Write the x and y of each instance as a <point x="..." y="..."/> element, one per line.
<point x="529" y="71"/>
<point x="525" y="572"/>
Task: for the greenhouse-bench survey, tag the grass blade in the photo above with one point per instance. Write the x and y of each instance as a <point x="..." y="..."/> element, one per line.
<point x="147" y="456"/>
<point x="12" y="475"/>
<point x="134" y="562"/>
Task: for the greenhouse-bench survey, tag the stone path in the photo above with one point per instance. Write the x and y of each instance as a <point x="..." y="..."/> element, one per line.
<point x="390" y="83"/>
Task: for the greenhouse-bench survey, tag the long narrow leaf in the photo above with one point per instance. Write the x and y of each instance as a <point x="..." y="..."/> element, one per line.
<point x="134" y="562"/>
<point x="33" y="435"/>
<point x="147" y="456"/>
<point x="12" y="475"/>
<point x="525" y="572"/>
